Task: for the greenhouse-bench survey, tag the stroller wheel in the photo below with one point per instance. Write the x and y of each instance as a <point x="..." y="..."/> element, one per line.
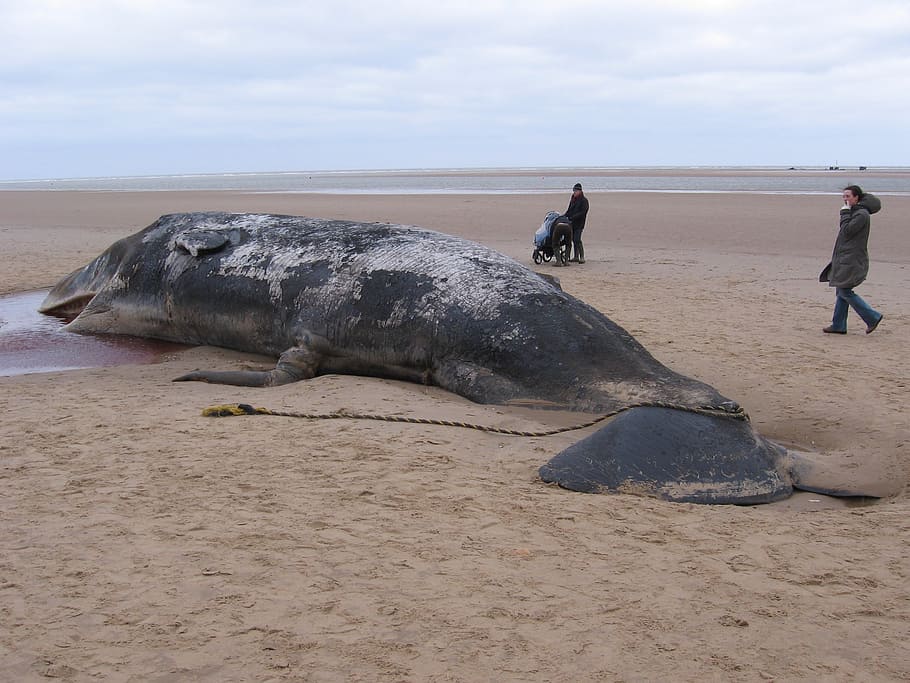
<point x="536" y="256"/>
<point x="548" y="256"/>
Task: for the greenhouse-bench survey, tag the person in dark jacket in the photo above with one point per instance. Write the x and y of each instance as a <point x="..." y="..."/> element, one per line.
<point x="850" y="262"/>
<point x="577" y="213"/>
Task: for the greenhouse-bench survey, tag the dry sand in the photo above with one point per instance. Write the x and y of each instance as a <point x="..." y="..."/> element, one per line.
<point x="140" y="541"/>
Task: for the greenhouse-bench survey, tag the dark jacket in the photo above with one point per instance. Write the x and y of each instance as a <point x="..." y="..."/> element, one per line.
<point x="578" y="212"/>
<point x="850" y="260"/>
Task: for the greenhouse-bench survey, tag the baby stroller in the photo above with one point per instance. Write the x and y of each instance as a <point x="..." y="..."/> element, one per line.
<point x="553" y="238"/>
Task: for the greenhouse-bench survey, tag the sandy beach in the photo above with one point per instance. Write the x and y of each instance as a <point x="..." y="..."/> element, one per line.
<point x="140" y="541"/>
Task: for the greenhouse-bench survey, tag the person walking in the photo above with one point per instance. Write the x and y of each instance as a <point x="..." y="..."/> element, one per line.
<point x="849" y="264"/>
<point x="577" y="213"/>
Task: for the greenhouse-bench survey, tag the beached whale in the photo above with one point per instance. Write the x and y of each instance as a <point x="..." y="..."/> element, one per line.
<point x="327" y="296"/>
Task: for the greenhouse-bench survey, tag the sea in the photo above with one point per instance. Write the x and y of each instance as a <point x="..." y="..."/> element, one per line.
<point x="700" y="179"/>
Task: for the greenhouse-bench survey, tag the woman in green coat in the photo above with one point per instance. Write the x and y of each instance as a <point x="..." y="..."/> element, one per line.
<point x="850" y="261"/>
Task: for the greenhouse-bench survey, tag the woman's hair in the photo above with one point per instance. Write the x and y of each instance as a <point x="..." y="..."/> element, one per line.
<point x="856" y="190"/>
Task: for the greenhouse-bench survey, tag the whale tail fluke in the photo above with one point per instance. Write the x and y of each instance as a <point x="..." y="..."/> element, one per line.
<point x="694" y="458"/>
<point x="674" y="455"/>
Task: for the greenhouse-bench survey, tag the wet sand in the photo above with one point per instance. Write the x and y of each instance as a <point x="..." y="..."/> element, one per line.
<point x="142" y="541"/>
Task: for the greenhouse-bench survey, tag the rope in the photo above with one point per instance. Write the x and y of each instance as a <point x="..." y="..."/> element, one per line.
<point x="231" y="409"/>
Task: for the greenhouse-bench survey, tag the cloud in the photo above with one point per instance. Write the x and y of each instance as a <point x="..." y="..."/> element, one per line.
<point x="477" y="80"/>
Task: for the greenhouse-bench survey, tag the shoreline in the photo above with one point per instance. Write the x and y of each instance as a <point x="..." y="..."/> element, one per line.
<point x="498" y="182"/>
<point x="521" y="170"/>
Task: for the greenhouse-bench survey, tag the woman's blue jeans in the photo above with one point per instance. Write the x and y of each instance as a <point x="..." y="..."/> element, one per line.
<point x="846" y="299"/>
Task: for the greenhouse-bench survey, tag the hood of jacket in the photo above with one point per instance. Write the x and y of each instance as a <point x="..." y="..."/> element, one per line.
<point x="870" y="203"/>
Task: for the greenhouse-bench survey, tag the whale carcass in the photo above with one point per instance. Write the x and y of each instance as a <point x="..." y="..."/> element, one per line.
<point x="331" y="296"/>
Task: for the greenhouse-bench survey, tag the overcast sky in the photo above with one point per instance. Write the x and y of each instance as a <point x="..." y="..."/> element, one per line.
<point x="142" y="87"/>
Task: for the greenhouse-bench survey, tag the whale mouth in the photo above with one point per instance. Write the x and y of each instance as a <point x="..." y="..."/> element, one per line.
<point x="67" y="308"/>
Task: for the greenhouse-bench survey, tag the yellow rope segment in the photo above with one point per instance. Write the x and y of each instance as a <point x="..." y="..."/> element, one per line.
<point x="231" y="409"/>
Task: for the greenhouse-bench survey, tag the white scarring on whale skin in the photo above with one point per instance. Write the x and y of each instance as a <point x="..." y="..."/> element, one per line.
<point x="454" y="285"/>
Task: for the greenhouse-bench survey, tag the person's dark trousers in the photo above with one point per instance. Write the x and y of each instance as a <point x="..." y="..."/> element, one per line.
<point x="579" y="254"/>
